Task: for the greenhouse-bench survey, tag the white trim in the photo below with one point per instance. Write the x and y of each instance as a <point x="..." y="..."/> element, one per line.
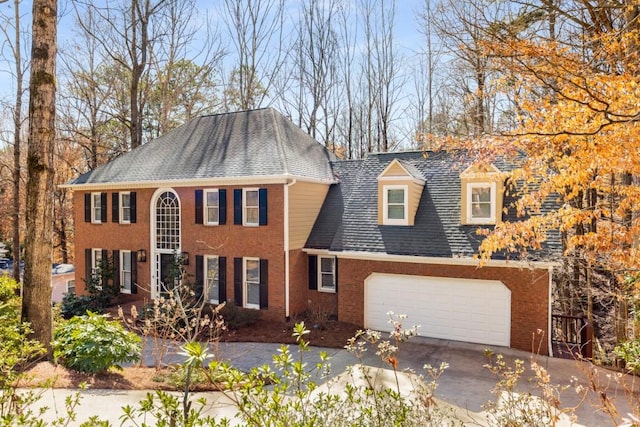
<point x="468" y="261"/>
<point x="385" y="205"/>
<point x="153" y="259"/>
<point x="197" y="182"/>
<point x="95" y="220"/>
<point x="121" y="207"/>
<point x="205" y="285"/>
<point x="205" y="206"/>
<point x="245" y="293"/>
<point x="321" y="288"/>
<point x="287" y="283"/>
<point x="244" y="207"/>
<point x="123" y="290"/>
<point x="492" y="190"/>
<point x="402" y="178"/>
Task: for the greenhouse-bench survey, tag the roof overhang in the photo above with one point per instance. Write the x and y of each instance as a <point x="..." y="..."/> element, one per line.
<point x="197" y="182"/>
<point x="464" y="261"/>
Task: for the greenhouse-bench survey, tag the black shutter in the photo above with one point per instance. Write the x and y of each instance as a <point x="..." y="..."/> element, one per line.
<point x="103" y="202"/>
<point x="134" y="272"/>
<point x="115" y="207"/>
<point x="222" y="279"/>
<point x="336" y="273"/>
<point x="104" y="267"/>
<point x="237" y="281"/>
<point x="262" y="197"/>
<point x="237" y="207"/>
<point x="87" y="266"/>
<point x="199" y="207"/>
<point x="264" y="281"/>
<point x="133" y="211"/>
<point x="87" y="207"/>
<point x="222" y="200"/>
<point x="199" y="276"/>
<point x="313" y="272"/>
<point x="116" y="269"/>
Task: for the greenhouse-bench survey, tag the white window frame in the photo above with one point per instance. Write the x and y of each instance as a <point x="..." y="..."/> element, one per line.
<point x="385" y="205"/>
<point x="321" y="287"/>
<point x="123" y="273"/>
<point x="68" y="285"/>
<point x="96" y="260"/>
<point x="245" y="283"/>
<point x="96" y="208"/>
<point x="207" y="285"/>
<point x="470" y="218"/>
<point x="207" y="206"/>
<point x="245" y="222"/>
<point x="123" y="207"/>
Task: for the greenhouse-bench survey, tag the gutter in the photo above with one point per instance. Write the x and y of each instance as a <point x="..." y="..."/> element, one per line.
<point x="549" y="310"/>
<point x="286" y="248"/>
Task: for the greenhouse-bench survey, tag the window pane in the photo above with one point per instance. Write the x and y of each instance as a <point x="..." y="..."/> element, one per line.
<point x="481" y="194"/>
<point x="126" y="261"/>
<point x="251" y="198"/>
<point x="251" y="215"/>
<point x="253" y="294"/>
<point x="253" y="271"/>
<point x="326" y="265"/>
<point x="395" y="212"/>
<point x="212" y="214"/>
<point x="212" y="198"/>
<point x="481" y="210"/>
<point x="327" y="281"/>
<point x="395" y="196"/>
<point x="212" y="291"/>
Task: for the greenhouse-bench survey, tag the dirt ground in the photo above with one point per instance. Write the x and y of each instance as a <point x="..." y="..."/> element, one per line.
<point x="334" y="335"/>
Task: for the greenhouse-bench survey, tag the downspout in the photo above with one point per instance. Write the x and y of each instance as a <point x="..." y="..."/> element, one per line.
<point x="550" y="312"/>
<point x="286" y="248"/>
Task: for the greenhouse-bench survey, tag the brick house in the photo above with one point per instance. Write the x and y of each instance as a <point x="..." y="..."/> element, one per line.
<point x="264" y="215"/>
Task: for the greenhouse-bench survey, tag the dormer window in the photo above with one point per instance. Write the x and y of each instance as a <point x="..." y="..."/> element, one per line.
<point x="481" y="203"/>
<point x="396" y="205"/>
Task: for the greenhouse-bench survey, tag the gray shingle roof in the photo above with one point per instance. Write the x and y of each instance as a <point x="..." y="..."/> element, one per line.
<point x="348" y="218"/>
<point x="244" y="144"/>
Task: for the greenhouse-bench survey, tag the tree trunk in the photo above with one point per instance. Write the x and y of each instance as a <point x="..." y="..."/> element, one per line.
<point x="17" y="166"/>
<point x="36" y="302"/>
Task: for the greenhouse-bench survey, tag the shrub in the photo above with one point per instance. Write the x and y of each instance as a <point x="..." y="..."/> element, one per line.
<point x="629" y="351"/>
<point x="92" y="343"/>
<point x="237" y="317"/>
<point x="100" y="294"/>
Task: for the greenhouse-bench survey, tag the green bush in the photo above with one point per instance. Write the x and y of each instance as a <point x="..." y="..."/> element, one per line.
<point x="629" y="351"/>
<point x="236" y="317"/>
<point x="92" y="343"/>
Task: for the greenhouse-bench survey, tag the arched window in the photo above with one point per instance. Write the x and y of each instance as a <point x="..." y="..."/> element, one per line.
<point x="168" y="222"/>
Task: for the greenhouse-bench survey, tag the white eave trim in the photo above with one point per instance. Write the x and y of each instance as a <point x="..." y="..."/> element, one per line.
<point x="197" y="182"/>
<point x="378" y="256"/>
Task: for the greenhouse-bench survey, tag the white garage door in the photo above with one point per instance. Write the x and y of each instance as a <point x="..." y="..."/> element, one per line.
<point x="471" y="310"/>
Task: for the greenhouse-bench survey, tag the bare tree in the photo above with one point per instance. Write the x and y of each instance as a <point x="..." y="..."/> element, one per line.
<point x="13" y="43"/>
<point x="256" y="30"/>
<point x="36" y="300"/>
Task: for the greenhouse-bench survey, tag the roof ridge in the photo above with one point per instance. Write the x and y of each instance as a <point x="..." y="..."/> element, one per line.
<point x="276" y="129"/>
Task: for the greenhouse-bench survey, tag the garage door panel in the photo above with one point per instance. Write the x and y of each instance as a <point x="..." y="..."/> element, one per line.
<point x="459" y="309"/>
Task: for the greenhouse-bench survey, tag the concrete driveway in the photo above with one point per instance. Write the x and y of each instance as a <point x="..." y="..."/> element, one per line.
<point x="466" y="383"/>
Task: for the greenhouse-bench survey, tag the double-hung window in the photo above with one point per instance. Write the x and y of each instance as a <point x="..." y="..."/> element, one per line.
<point x="251" y="279"/>
<point x="96" y="267"/>
<point x="396" y="205"/>
<point x="71" y="287"/>
<point x="212" y="207"/>
<point x="212" y="285"/>
<point x="327" y="274"/>
<point x="125" y="272"/>
<point x="96" y="208"/>
<point x="125" y="208"/>
<point x="481" y="201"/>
<point x="251" y="206"/>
